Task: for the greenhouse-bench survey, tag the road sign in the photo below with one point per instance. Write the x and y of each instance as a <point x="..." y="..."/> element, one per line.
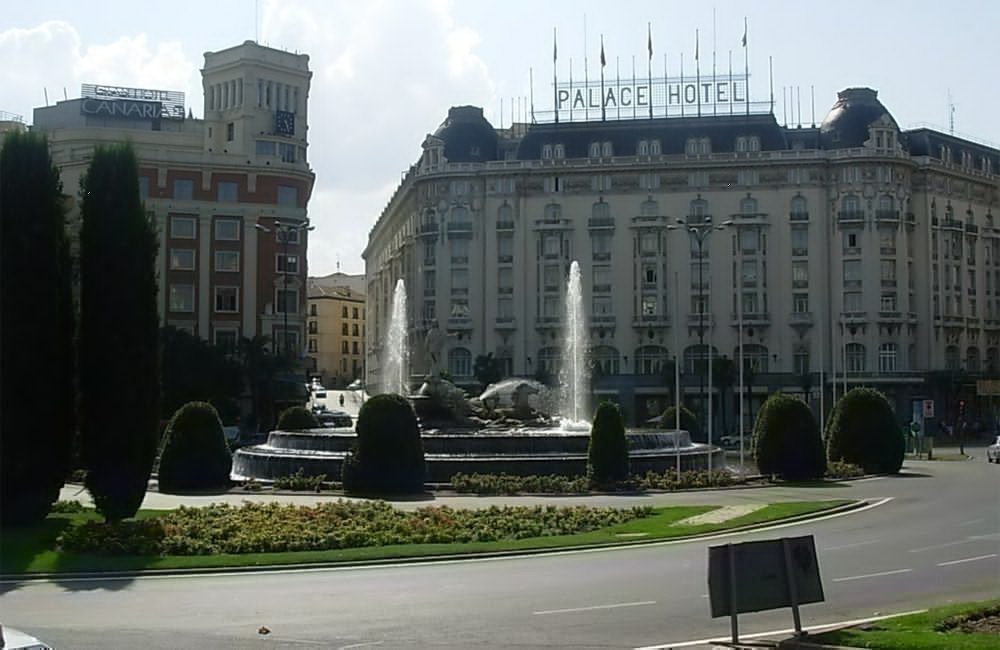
<point x="928" y="408"/>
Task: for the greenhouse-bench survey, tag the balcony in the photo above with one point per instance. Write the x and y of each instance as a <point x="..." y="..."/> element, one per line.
<point x="889" y="316"/>
<point x="505" y="259"/>
<point x="798" y="216"/>
<point x="459" y="260"/>
<point x="697" y="319"/>
<point x="851" y="216"/>
<point x="548" y="322"/>
<point x="505" y="290"/>
<point x="853" y="317"/>
<point x="430" y="261"/>
<point x="601" y="223"/>
<point x="459" y="323"/>
<point x="758" y="318"/>
<point x="601" y="257"/>
<point x="460" y="228"/>
<point x="954" y="319"/>
<point x="602" y="288"/>
<point x="887" y="250"/>
<point x="971" y="228"/>
<point x="888" y="283"/>
<point x="887" y="216"/>
<point x="428" y="229"/>
<point x="800" y="318"/>
<point x="505" y="225"/>
<point x="598" y="320"/>
<point x="952" y="224"/>
<point x="651" y="320"/>
<point x="505" y="323"/>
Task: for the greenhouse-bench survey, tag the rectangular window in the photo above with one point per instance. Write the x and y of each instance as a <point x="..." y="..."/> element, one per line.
<point x="800" y="303"/>
<point x="460" y="281"/>
<point x="288" y="195"/>
<point x="851" y="242"/>
<point x="183" y="189"/>
<point x="459" y="308"/>
<point x="650" y="306"/>
<point x="230" y="131"/>
<point x="748" y="272"/>
<point x="505" y="308"/>
<point x="460" y="251"/>
<point x="648" y="243"/>
<point x="287" y="235"/>
<point x="800" y="274"/>
<point x="602" y="278"/>
<point x="602" y="305"/>
<point x="888" y="302"/>
<point x="852" y="270"/>
<point x="749" y="240"/>
<point x="601" y="245"/>
<point x="649" y="274"/>
<point x="287" y="152"/>
<point x="887" y="241"/>
<point x="551" y="277"/>
<point x="430" y="252"/>
<point x="265" y="148"/>
<point x="227" y="229"/>
<point x="750" y="304"/>
<point x="430" y="310"/>
<point x="699" y="304"/>
<point x="800" y="241"/>
<point x="430" y="283"/>
<point x="505" y="278"/>
<point x="227" y="192"/>
<point x="312" y="345"/>
<point x="143" y="187"/>
<point x="888" y="268"/>
<point x="181" y="298"/>
<point x="227" y="261"/>
<point x="550" y="306"/>
<point x="227" y="299"/>
<point x="183" y="228"/>
<point x="287" y="263"/>
<point x="286" y="301"/>
<point x="505" y="248"/>
<point x="852" y="301"/>
<point x="550" y="245"/>
<point x="181" y="259"/>
<point x="226" y="339"/>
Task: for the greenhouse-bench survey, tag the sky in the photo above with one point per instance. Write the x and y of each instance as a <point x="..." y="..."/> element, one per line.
<point x="385" y="72"/>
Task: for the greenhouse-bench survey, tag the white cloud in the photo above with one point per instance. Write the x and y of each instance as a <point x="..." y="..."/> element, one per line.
<point x="384" y="75"/>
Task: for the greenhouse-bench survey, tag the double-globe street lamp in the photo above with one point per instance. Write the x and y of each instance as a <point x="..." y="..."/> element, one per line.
<point x="283" y="231"/>
<point x="699" y="228"/>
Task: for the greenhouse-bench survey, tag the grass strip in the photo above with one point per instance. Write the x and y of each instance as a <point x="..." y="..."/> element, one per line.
<point x="916" y="632"/>
<point x="33" y="550"/>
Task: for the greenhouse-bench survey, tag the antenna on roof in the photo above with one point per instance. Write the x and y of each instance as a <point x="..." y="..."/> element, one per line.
<point x="812" y="91"/>
<point x="951" y="114"/>
<point x="798" y="103"/>
<point x="64" y="94"/>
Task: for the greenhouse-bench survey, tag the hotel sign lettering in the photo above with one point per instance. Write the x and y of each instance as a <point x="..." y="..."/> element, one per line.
<point x="134" y="103"/>
<point x="124" y="109"/>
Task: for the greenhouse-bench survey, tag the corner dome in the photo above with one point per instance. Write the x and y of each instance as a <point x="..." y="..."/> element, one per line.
<point x="847" y="123"/>
<point x="467" y="135"/>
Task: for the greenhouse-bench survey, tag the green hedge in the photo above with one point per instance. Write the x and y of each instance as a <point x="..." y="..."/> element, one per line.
<point x="510" y="484"/>
<point x="607" y="452"/>
<point x="297" y="418"/>
<point x="863" y="430"/>
<point x="195" y="453"/>
<point x="388" y="457"/>
<point x="786" y="440"/>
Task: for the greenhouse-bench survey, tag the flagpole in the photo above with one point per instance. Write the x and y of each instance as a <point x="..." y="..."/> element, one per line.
<point x="618" y="82"/>
<point x="677" y="373"/>
<point x="604" y="114"/>
<point x="586" y="73"/>
<point x="770" y="77"/>
<point x="697" y="70"/>
<point x="666" y="91"/>
<point x="731" y="92"/>
<point x="682" y="84"/>
<point x="746" y="63"/>
<point x="649" y="65"/>
<point x="555" y="79"/>
<point x="714" y="103"/>
<point x="633" y="87"/>
<point x="571" y="97"/>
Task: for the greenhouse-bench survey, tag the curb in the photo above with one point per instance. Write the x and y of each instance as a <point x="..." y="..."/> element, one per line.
<point x="425" y="559"/>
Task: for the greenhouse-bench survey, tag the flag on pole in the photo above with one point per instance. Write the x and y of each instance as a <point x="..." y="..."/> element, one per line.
<point x="696" y="47"/>
<point x="603" y="63"/>
<point x="603" y="60"/>
<point x="744" y="31"/>
<point x="649" y="40"/>
<point x="555" y="49"/>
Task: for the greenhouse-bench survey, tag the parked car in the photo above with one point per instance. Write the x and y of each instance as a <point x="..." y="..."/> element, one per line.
<point x="11" y="639"/>
<point x="993" y="452"/>
<point x="329" y="418"/>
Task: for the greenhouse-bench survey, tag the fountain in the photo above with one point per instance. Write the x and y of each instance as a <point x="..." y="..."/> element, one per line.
<point x="397" y="354"/>
<point x="516" y="426"/>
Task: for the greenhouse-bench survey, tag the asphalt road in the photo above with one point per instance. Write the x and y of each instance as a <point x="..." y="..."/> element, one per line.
<point x="936" y="540"/>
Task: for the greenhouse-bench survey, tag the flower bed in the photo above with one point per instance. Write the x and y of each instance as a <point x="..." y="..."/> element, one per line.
<point x="263" y="528"/>
<point x="508" y="484"/>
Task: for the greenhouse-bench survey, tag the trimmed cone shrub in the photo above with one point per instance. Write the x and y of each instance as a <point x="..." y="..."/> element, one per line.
<point x="607" y="453"/>
<point x="388" y="457"/>
<point x="863" y="430"/>
<point x="689" y="422"/>
<point x="296" y="418"/>
<point x="786" y="440"/>
<point x="195" y="454"/>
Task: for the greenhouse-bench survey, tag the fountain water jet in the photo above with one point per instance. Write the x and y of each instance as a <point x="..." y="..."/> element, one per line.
<point x="574" y="375"/>
<point x="397" y="364"/>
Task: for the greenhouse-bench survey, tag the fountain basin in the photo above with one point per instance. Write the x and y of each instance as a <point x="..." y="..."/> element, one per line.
<point x="516" y="451"/>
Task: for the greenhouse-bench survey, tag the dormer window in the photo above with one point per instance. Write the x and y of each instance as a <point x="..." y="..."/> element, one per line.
<point x="560" y="152"/>
<point x="654" y="148"/>
<point x="595" y="149"/>
<point x="697" y="146"/>
<point x="643" y="148"/>
<point x="606" y="150"/>
<point x="547" y="152"/>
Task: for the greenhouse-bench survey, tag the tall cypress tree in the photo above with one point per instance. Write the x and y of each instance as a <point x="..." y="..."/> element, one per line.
<point x="37" y="400"/>
<point x="119" y="334"/>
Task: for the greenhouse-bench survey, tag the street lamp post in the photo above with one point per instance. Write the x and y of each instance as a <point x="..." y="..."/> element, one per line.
<point x="700" y="227"/>
<point x="283" y="231"/>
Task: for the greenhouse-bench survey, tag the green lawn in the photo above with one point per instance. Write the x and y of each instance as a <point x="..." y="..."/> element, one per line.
<point x="34" y="550"/>
<point x="916" y="632"/>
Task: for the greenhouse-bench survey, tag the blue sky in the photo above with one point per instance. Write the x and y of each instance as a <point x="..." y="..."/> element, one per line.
<point x="386" y="71"/>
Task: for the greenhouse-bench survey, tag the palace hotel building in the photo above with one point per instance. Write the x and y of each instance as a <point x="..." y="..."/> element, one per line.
<point x="851" y="253"/>
<point x="228" y="193"/>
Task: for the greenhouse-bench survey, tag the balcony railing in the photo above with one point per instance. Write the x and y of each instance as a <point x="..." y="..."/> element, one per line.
<point x="505" y="225"/>
<point x="548" y="322"/>
<point x="601" y="222"/>
<point x="651" y="320"/>
<point x="602" y="319"/>
<point x="505" y="259"/>
<point x="800" y="318"/>
<point x="602" y="288"/>
<point x="505" y="323"/>
<point x="798" y="216"/>
<point x="845" y="216"/>
<point x="887" y="215"/>
<point x="705" y="319"/>
<point x="428" y="229"/>
<point x="754" y="318"/>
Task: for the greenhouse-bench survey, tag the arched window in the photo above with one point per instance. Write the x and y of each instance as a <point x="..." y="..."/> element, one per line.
<point x="550" y="360"/>
<point x="801" y="359"/>
<point x="595" y="149"/>
<point x="344" y="312"/>
<point x="650" y="360"/>
<point x="888" y="357"/>
<point x="505" y="213"/>
<point x="748" y="206"/>
<point x="885" y="203"/>
<point x="643" y="148"/>
<point x="753" y="143"/>
<point x="952" y="359"/>
<point x="972" y="359"/>
<point x="654" y="148"/>
<point x="560" y="151"/>
<point x="460" y="215"/>
<point x="799" y="206"/>
<point x="992" y="361"/>
<point x="606" y="360"/>
<point x="850" y="204"/>
<point x="696" y="359"/>
<point x="741" y="144"/>
<point x="855" y="357"/>
<point x="649" y="208"/>
<point x="460" y="362"/>
<point x="607" y="150"/>
<point x="699" y="209"/>
<point x="546" y="152"/>
<point x="553" y="211"/>
<point x="754" y="358"/>
<point x="600" y="210"/>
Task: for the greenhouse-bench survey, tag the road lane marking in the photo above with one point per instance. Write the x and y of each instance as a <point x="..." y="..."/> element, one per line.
<point x="968" y="559"/>
<point x="360" y="645"/>
<point x="945" y="545"/>
<point x="639" y="603"/>
<point x="872" y="575"/>
<point x="969" y="523"/>
<point x="758" y="635"/>
<point x="855" y="545"/>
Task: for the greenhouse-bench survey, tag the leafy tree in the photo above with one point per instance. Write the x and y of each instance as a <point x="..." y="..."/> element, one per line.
<point x="388" y="457"/>
<point x="261" y="369"/>
<point x="195" y="453"/>
<point x="37" y="394"/>
<point x="787" y="440"/>
<point x="607" y="453"/>
<point x="689" y="422"/>
<point x="486" y="370"/>
<point x="723" y="377"/>
<point x="193" y="370"/>
<point x="863" y="430"/>
<point x="119" y="334"/>
<point x="296" y="418"/>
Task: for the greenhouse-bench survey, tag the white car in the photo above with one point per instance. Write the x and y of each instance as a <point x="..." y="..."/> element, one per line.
<point x="993" y="452"/>
<point x="11" y="639"/>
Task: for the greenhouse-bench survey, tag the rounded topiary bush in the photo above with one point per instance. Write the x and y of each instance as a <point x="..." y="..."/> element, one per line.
<point x="863" y="430"/>
<point x="786" y="440"/>
<point x="195" y="454"/>
<point x="607" y="453"/>
<point x="388" y="457"/>
<point x="689" y="422"/>
<point x="296" y="418"/>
